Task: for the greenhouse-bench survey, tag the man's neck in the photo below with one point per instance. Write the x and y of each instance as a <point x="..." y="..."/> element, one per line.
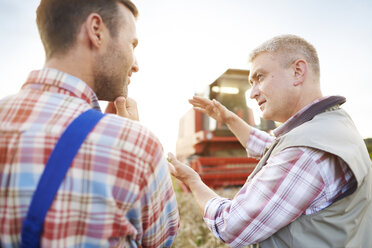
<point x="74" y="65"/>
<point x="309" y="93"/>
<point x="309" y="111"/>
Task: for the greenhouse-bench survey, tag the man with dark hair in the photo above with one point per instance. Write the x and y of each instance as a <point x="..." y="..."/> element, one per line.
<point x="117" y="189"/>
<point x="313" y="184"/>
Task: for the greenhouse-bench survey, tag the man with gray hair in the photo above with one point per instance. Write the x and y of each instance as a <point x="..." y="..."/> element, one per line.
<point x="312" y="186"/>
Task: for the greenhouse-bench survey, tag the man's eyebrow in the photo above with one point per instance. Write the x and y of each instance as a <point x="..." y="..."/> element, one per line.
<point x="258" y="71"/>
<point x="254" y="76"/>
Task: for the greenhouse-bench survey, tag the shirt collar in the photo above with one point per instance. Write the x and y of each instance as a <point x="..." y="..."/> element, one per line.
<point x="48" y="79"/>
<point x="308" y="112"/>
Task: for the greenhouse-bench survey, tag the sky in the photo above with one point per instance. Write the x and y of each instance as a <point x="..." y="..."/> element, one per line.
<point x="184" y="45"/>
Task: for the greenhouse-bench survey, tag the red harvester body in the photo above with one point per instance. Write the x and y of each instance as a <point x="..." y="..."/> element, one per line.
<point x="210" y="148"/>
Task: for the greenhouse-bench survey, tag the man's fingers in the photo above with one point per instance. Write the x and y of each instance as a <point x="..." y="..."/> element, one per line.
<point x="131" y="103"/>
<point x="198" y="105"/>
<point x="171" y="161"/>
<point x="218" y="105"/>
<point x="124" y="107"/>
<point x="110" y="109"/>
<point x="131" y="109"/>
<point x="171" y="158"/>
<point x="172" y="170"/>
<point x="200" y="101"/>
<point x="201" y="110"/>
<point x="120" y="106"/>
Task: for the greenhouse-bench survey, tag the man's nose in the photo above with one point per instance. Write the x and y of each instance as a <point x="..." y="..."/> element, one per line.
<point x="135" y="67"/>
<point x="254" y="91"/>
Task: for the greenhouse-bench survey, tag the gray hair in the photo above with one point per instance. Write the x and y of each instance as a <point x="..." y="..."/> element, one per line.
<point x="289" y="48"/>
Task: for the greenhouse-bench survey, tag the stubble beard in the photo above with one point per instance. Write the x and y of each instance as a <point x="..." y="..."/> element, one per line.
<point x="109" y="80"/>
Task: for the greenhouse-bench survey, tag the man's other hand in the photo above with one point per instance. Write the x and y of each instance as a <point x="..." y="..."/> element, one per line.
<point x="212" y="108"/>
<point x="182" y="171"/>
<point x="123" y="107"/>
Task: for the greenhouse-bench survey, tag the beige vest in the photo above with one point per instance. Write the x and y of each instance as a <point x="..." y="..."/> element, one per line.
<point x="347" y="222"/>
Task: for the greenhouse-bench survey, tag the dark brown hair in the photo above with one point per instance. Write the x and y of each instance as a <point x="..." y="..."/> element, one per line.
<point x="59" y="21"/>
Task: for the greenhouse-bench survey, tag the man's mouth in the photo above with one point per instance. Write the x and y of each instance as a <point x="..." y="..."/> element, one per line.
<point x="261" y="103"/>
<point x="128" y="77"/>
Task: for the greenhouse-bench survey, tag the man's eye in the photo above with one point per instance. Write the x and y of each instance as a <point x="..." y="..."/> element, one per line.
<point x="259" y="77"/>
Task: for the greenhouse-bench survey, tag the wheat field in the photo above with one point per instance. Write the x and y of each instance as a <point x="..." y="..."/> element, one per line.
<point x="193" y="232"/>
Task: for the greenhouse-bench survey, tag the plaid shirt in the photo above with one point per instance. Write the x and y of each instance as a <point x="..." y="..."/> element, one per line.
<point x="117" y="191"/>
<point x="296" y="181"/>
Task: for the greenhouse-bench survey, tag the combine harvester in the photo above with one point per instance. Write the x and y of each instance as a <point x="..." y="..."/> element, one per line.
<point x="210" y="148"/>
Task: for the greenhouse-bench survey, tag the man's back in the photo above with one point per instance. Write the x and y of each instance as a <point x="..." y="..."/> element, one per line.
<point x="117" y="186"/>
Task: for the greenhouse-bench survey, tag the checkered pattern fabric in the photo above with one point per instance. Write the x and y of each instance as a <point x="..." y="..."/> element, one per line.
<point x="296" y="181"/>
<point x="117" y="191"/>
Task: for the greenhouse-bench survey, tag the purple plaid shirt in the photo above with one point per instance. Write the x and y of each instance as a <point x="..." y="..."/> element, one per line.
<point x="297" y="181"/>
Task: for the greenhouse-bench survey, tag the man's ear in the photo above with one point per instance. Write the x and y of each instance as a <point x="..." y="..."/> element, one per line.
<point x="300" y="69"/>
<point x="95" y="29"/>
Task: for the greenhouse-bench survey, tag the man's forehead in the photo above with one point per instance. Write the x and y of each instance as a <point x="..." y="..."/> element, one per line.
<point x="126" y="14"/>
<point x="128" y="21"/>
<point x="250" y="71"/>
<point x="262" y="60"/>
<point x="263" y="57"/>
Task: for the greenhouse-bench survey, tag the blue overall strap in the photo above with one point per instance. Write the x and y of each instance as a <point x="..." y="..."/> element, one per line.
<point x="54" y="173"/>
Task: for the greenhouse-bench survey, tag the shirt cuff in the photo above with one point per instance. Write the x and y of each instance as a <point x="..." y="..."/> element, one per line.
<point x="214" y="206"/>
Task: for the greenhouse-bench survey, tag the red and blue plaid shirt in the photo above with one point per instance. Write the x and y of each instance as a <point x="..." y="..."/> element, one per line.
<point x="117" y="191"/>
<point x="296" y="181"/>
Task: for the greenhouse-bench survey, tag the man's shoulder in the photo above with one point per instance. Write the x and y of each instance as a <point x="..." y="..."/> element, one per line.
<point x="325" y="124"/>
<point x="335" y="133"/>
<point x="325" y="131"/>
<point x="125" y="134"/>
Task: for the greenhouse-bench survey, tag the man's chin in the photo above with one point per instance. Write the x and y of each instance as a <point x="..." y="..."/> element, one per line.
<point x="266" y="115"/>
<point x="107" y="98"/>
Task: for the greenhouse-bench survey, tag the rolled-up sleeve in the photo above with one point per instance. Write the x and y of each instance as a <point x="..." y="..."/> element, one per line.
<point x="257" y="143"/>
